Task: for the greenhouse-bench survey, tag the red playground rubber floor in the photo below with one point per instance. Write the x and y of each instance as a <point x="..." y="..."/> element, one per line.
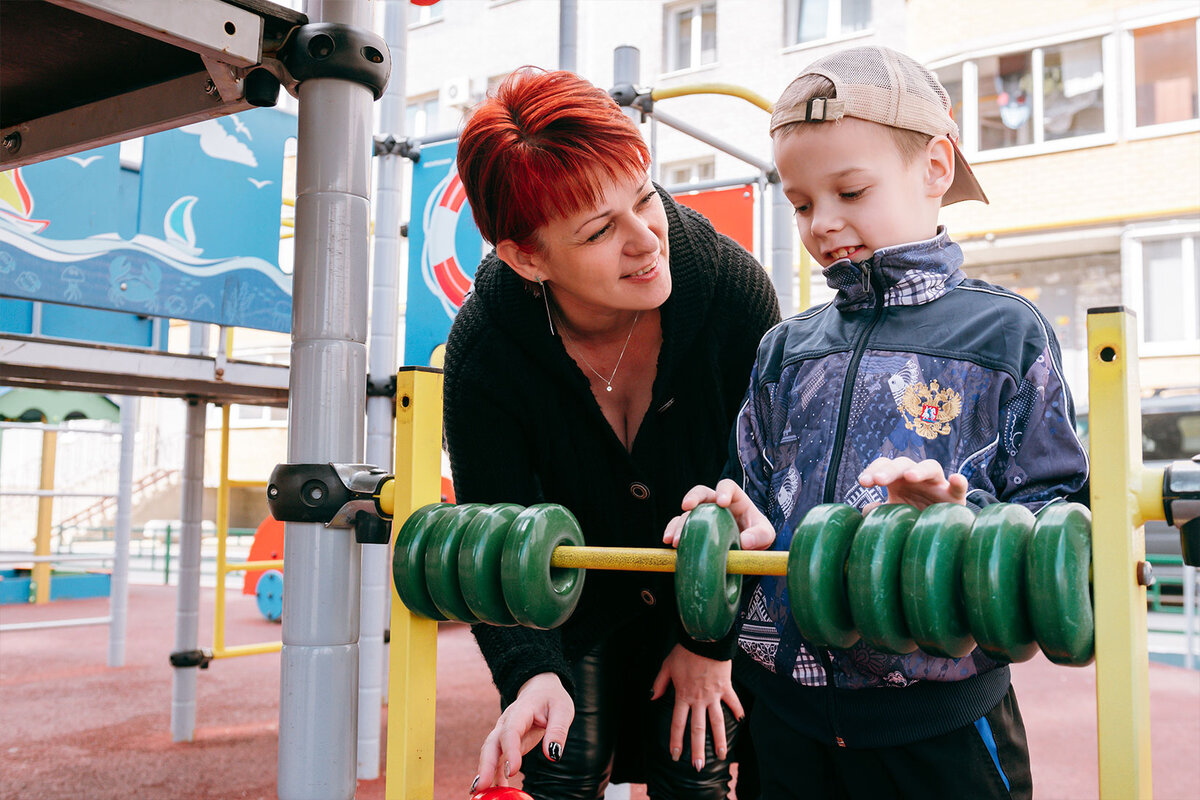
<point x="73" y="729"/>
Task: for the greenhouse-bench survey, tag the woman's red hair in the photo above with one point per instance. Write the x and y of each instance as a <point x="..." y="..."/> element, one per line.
<point x="539" y="148"/>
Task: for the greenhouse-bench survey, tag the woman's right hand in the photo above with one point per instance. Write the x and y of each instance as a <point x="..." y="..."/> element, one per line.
<point x="543" y="711"/>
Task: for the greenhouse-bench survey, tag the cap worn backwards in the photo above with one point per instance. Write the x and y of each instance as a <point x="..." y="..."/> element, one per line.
<point x="880" y="85"/>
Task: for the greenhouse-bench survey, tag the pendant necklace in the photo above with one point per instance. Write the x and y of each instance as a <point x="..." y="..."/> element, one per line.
<point x="607" y="381"/>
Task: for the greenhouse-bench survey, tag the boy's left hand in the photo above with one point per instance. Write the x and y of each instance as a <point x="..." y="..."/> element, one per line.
<point x="919" y="485"/>
<point x="757" y="532"/>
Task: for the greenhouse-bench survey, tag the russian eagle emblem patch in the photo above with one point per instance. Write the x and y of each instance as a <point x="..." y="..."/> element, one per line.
<point x="928" y="410"/>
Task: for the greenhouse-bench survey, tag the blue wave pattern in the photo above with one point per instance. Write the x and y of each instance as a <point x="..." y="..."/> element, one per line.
<point x="144" y="276"/>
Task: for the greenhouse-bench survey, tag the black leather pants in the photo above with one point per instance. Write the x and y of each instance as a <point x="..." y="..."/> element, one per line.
<point x="609" y="704"/>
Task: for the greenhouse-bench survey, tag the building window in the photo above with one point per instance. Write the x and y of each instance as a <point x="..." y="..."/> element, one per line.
<point x="691" y="33"/>
<point x="814" y="20"/>
<point x="1165" y="73"/>
<point x="680" y="173"/>
<point x="1163" y="283"/>
<point x="1029" y="97"/>
<point x="423" y="15"/>
<point x="421" y="116"/>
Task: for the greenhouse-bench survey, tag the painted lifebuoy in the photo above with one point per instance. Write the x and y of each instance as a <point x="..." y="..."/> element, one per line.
<point x="441" y="266"/>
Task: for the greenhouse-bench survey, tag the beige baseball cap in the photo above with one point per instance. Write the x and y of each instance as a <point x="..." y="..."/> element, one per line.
<point x="881" y="85"/>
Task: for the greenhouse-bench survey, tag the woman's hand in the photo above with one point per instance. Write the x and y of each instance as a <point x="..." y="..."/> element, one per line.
<point x="757" y="532"/>
<point x="701" y="685"/>
<point x="919" y="485"/>
<point x="542" y="711"/>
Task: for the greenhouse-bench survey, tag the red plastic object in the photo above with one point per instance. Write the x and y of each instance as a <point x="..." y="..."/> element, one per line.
<point x="423" y="2"/>
<point x="267" y="546"/>
<point x="501" y="793"/>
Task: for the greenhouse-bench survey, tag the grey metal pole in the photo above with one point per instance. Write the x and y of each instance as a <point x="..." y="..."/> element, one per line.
<point x="118" y="603"/>
<point x="712" y="141"/>
<point x="187" y="609"/>
<point x="783" y="271"/>
<point x="386" y="286"/>
<point x="568" y="35"/>
<point x="318" y="709"/>
<point x="627" y="69"/>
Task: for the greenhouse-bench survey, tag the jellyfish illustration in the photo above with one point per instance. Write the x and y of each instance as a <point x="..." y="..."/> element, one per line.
<point x="73" y="277"/>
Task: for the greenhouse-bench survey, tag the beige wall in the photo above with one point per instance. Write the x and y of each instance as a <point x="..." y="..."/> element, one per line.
<point x="1127" y="181"/>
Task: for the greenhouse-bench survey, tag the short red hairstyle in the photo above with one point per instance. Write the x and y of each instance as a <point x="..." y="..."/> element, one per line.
<point x="538" y="149"/>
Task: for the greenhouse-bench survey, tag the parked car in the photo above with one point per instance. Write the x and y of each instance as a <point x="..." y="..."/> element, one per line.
<point x="1170" y="432"/>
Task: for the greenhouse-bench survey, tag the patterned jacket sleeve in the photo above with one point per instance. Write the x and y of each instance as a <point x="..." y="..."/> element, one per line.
<point x="1039" y="458"/>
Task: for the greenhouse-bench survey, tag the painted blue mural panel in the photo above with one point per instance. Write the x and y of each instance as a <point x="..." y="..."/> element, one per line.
<point x="444" y="248"/>
<point x="208" y="226"/>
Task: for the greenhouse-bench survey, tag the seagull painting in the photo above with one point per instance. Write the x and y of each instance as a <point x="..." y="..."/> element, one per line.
<point x="259" y="184"/>
<point x="84" y="162"/>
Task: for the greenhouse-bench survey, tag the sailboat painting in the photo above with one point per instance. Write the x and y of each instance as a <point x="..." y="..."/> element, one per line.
<point x="193" y="233"/>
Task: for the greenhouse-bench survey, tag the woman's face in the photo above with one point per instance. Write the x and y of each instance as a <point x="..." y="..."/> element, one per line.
<point x="610" y="258"/>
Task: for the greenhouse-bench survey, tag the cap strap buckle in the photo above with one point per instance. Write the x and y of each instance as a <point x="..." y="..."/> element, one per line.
<point x="823" y="109"/>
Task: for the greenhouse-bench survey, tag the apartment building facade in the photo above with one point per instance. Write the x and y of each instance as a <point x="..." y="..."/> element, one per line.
<point x="1080" y="117"/>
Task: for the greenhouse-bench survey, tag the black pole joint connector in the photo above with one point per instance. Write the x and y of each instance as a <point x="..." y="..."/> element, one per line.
<point x="191" y="658"/>
<point x="1181" y="504"/>
<point x="381" y="388"/>
<point x="370" y="529"/>
<point x="390" y="145"/>
<point x="332" y="494"/>
<point x="336" y="50"/>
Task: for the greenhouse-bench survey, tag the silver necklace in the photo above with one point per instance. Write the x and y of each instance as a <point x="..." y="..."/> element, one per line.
<point x="607" y="381"/>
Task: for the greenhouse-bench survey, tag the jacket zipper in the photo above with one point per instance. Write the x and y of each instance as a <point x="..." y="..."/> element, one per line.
<point x="831" y="696"/>
<point x="835" y="462"/>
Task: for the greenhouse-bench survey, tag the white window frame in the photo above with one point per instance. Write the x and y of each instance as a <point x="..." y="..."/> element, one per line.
<point x="425" y="15"/>
<point x="1132" y="282"/>
<point x="421" y="101"/>
<point x="672" y="38"/>
<point x="969" y="125"/>
<point x="693" y="165"/>
<point x="833" y="27"/>
<point x="1129" y="80"/>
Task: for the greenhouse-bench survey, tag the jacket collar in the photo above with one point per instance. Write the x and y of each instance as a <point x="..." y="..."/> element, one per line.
<point x="907" y="274"/>
<point x="693" y="263"/>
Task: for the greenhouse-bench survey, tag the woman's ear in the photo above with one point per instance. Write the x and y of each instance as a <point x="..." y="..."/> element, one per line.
<point x="940" y="166"/>
<point x="520" y="260"/>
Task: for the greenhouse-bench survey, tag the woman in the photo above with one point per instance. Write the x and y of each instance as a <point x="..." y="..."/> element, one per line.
<point x="598" y="364"/>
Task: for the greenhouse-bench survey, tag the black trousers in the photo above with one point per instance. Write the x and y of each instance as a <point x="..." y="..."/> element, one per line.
<point x="613" y="709"/>
<point x="981" y="761"/>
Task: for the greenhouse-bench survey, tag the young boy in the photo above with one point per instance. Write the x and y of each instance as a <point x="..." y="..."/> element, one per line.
<point x="912" y="373"/>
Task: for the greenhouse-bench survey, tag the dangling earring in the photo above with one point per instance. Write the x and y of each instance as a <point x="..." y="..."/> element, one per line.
<point x="546" y="300"/>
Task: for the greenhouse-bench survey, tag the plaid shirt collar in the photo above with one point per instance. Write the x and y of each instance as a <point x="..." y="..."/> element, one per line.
<point x="910" y="274"/>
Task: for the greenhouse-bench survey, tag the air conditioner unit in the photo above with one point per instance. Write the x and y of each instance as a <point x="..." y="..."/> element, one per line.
<point x="455" y="93"/>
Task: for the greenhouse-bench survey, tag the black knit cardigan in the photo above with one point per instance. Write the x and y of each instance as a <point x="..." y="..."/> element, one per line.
<point x="522" y="426"/>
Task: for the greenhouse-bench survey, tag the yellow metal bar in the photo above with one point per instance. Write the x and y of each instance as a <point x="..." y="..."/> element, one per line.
<point x="239" y="566"/>
<point x="805" y="298"/>
<point x="247" y="484"/>
<point x="41" y="542"/>
<point x="713" y="88"/>
<point x="1110" y="219"/>
<point x="222" y="534"/>
<point x="412" y="673"/>
<point x="247" y="650"/>
<point x="637" y="559"/>
<point x="1118" y="544"/>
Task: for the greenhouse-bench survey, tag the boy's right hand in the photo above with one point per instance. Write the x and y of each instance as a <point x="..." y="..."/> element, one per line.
<point x="542" y="710"/>
<point x="757" y="532"/>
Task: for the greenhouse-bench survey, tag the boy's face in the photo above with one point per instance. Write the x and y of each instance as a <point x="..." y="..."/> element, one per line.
<point x="852" y="190"/>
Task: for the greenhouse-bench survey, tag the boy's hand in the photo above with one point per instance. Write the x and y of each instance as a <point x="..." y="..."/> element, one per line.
<point x="757" y="532"/>
<point x="919" y="485"/>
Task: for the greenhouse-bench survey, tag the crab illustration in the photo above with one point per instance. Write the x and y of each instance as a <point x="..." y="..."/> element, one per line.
<point x="139" y="284"/>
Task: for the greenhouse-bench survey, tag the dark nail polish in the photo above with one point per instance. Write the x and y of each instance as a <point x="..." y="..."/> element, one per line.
<point x="474" y="783"/>
<point x="555" y="750"/>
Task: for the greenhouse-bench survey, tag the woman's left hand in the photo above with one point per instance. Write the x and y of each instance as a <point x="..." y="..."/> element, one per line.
<point x="701" y="686"/>
<point x="756" y="531"/>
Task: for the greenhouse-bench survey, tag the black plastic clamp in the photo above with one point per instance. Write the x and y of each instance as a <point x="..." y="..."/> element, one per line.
<point x="332" y="494"/>
<point x="191" y="658"/>
<point x="335" y="50"/>
<point x="381" y="388"/>
<point x="629" y="96"/>
<point x="390" y="145"/>
<point x="1181" y="503"/>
